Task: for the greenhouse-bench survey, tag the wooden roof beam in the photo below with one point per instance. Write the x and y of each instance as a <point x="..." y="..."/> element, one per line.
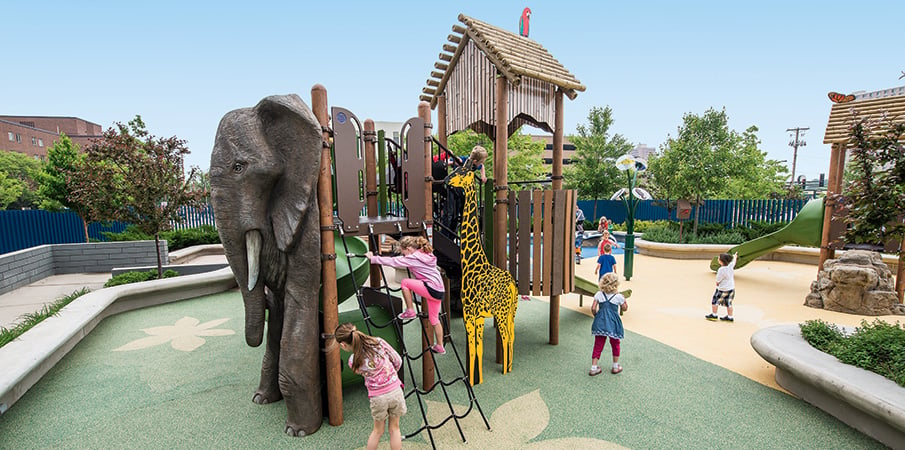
<point x="446" y="57"/>
<point x="454" y="38"/>
<point x="441" y="66"/>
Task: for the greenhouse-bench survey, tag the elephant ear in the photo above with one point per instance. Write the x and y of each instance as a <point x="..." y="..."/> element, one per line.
<point x="294" y="135"/>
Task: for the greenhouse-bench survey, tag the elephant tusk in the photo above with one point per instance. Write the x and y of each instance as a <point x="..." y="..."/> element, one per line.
<point x="253" y="256"/>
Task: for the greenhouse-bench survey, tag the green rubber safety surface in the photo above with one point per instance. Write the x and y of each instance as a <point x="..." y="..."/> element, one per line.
<point x="180" y="376"/>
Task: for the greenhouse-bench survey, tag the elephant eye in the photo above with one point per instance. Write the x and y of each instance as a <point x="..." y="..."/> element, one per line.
<point x="239" y="167"/>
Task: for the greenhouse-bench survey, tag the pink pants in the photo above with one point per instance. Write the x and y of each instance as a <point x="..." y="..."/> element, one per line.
<point x="433" y="304"/>
<point x="600" y="342"/>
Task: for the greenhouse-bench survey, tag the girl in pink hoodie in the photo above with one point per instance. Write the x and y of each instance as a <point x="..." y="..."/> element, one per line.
<point x="418" y="258"/>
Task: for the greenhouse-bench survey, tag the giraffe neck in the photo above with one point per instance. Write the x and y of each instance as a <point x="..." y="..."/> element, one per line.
<point x="470" y="239"/>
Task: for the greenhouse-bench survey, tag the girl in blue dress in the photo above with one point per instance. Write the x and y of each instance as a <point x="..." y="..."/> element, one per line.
<point x="608" y="302"/>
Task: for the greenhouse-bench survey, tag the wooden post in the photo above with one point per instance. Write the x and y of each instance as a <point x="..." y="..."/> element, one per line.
<point x="424" y="112"/>
<point x="328" y="266"/>
<point x="441" y="121"/>
<point x="557" y="186"/>
<point x="900" y="275"/>
<point x="370" y="139"/>
<point x="500" y="166"/>
<point x="829" y="204"/>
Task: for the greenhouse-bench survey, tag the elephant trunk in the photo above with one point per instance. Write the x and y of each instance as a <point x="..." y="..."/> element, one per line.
<point x="255" y="300"/>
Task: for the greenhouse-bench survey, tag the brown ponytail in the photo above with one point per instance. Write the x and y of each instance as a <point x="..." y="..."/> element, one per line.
<point x="363" y="346"/>
<point x="417" y="243"/>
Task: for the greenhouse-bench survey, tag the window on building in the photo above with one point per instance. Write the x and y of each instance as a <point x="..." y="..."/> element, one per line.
<point x="34" y="141"/>
<point x="18" y="137"/>
<point x="12" y="137"/>
<point x="40" y="142"/>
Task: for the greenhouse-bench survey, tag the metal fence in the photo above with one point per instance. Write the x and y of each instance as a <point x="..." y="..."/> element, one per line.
<point x="30" y="228"/>
<point x="730" y="212"/>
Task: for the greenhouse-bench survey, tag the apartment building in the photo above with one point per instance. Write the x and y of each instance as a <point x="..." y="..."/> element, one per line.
<point x="33" y="135"/>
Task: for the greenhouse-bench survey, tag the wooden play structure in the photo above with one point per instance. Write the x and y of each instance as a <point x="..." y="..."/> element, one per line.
<point x="493" y="81"/>
<point x="888" y="103"/>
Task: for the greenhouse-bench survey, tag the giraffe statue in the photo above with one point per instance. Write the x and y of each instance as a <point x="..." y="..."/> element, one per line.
<point x="487" y="290"/>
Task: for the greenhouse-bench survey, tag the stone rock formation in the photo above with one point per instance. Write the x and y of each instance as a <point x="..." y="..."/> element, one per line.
<point x="858" y="282"/>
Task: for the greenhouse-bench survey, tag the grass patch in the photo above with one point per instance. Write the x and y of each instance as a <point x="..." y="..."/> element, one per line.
<point x="31" y="319"/>
<point x="137" y="277"/>
<point x="878" y="347"/>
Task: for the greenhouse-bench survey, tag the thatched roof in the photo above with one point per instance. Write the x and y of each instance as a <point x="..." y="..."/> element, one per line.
<point x="870" y="105"/>
<point x="513" y="55"/>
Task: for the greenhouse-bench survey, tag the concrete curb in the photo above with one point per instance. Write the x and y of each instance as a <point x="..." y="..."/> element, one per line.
<point x="862" y="399"/>
<point x="29" y="357"/>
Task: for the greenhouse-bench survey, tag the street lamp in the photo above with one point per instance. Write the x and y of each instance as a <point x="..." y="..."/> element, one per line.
<point x="631" y="166"/>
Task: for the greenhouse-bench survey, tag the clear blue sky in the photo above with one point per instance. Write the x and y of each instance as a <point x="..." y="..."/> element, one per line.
<point x="182" y="65"/>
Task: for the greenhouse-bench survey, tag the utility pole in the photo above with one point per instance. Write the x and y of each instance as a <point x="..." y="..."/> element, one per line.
<point x="795" y="142"/>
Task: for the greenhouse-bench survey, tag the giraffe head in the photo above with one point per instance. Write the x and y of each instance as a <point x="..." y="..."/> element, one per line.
<point x="461" y="179"/>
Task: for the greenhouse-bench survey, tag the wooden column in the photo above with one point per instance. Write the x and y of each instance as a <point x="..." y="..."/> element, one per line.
<point x="328" y="266"/>
<point x="500" y="166"/>
<point x="900" y="275"/>
<point x="370" y="140"/>
<point x="441" y="121"/>
<point x="557" y="186"/>
<point x="829" y="203"/>
<point x="424" y="112"/>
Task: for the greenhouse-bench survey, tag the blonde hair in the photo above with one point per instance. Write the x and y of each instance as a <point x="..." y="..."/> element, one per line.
<point x="609" y="283"/>
<point x="417" y="243"/>
<point x="478" y="155"/>
<point x="363" y="345"/>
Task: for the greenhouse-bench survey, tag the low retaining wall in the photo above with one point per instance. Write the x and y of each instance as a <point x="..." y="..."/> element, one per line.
<point x="28" y="358"/>
<point x="27" y="266"/>
<point x="862" y="399"/>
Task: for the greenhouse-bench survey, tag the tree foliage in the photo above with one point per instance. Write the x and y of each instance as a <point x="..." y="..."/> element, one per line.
<point x="18" y="180"/>
<point x="132" y="176"/>
<point x="708" y="160"/>
<point x="875" y="194"/>
<point x="63" y="158"/>
<point x="525" y="156"/>
<point x="593" y="172"/>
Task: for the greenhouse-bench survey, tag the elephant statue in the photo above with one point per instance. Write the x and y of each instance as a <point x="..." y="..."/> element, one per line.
<point x="264" y="172"/>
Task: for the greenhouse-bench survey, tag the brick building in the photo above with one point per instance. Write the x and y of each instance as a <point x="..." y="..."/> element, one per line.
<point x="33" y="135"/>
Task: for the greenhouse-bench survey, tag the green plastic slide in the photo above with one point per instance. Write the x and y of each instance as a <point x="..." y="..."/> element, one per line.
<point x="805" y="230"/>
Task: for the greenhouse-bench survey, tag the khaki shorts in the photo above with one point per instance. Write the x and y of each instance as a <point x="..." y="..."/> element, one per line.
<point x="391" y="403"/>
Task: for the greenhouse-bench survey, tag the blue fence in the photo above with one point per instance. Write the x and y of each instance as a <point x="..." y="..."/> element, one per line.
<point x="731" y="212"/>
<point x="24" y="229"/>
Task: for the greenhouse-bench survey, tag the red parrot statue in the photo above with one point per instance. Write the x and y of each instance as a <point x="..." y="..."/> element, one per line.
<point x="523" y="22"/>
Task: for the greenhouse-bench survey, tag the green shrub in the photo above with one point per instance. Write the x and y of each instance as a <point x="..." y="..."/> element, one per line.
<point x="176" y="239"/>
<point x="756" y="229"/>
<point x="31" y="319"/>
<point x="878" y="347"/>
<point x="641" y="226"/>
<point x="725" y="237"/>
<point x="137" y="277"/>
<point x="822" y="335"/>
<point x="665" y="234"/>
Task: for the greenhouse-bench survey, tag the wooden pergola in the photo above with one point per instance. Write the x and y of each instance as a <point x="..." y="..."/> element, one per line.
<point x="888" y="104"/>
<point x="486" y="77"/>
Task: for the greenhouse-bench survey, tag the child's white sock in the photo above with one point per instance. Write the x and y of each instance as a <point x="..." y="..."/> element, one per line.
<point x="615" y="365"/>
<point x="593" y="367"/>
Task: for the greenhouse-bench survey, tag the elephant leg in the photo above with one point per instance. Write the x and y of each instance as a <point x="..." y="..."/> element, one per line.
<point x="299" y="376"/>
<point x="269" y="389"/>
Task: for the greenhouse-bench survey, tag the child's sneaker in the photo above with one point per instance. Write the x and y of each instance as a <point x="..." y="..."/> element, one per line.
<point x="616" y="369"/>
<point x="727" y="319"/>
<point x="438" y="349"/>
<point x="408" y="314"/>
<point x="711" y="317"/>
<point x="595" y="371"/>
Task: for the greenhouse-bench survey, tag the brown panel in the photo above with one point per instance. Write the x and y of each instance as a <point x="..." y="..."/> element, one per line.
<point x="548" y="243"/>
<point x="349" y="167"/>
<point x="514" y="243"/>
<point x="537" y="240"/>
<point x="559" y="247"/>
<point x="413" y="172"/>
<point x="524" y="239"/>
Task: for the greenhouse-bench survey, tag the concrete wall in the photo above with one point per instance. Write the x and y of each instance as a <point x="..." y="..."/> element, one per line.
<point x="24" y="267"/>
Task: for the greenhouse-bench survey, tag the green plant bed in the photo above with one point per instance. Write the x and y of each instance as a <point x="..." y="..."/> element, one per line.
<point x="878" y="346"/>
<point x="176" y="239"/>
<point x="31" y="319"/>
<point x="137" y="277"/>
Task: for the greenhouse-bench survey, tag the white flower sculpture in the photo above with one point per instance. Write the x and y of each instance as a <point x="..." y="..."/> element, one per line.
<point x="185" y="335"/>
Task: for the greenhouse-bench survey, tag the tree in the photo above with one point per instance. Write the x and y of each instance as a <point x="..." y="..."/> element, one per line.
<point x="132" y="176"/>
<point x="701" y="157"/>
<point x="525" y="156"/>
<point x="63" y="160"/>
<point x="18" y="180"/>
<point x="593" y="172"/>
<point x="754" y="176"/>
